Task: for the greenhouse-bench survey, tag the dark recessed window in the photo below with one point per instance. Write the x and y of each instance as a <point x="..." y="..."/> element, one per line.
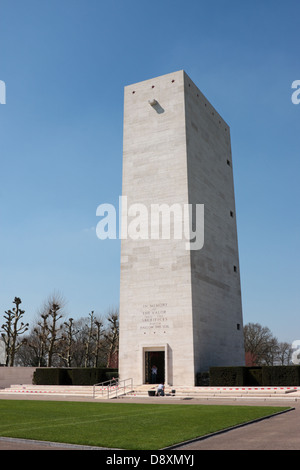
<point x="238" y="326"/>
<point x="235" y="269"/>
<point x="228" y="162"/>
<point x="231" y="214"/>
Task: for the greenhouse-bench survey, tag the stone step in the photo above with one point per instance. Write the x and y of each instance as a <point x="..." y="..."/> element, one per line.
<point x="65" y="390"/>
<point x="49" y="389"/>
<point x="142" y="391"/>
<point x="53" y="387"/>
<point x="221" y="392"/>
<point x="219" y="389"/>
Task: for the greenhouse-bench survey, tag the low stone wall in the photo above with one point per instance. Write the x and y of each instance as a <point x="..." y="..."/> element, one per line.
<point x="15" y="375"/>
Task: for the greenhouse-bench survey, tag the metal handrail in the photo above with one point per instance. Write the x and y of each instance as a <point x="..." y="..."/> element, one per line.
<point x="123" y="387"/>
<point x="104" y="386"/>
<point x="114" y="385"/>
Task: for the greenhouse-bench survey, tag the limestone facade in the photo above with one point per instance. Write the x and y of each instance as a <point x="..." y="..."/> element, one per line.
<point x="179" y="307"/>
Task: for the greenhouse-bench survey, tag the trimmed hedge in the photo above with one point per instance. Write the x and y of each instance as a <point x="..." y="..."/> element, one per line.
<point x="251" y="376"/>
<point x="72" y="376"/>
<point x="281" y="375"/>
<point x="202" y="379"/>
<point x="226" y="376"/>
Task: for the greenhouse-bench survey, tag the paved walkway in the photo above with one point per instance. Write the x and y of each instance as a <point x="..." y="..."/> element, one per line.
<point x="280" y="432"/>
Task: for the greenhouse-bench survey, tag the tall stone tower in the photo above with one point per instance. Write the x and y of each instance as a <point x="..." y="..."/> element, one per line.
<point x="180" y="309"/>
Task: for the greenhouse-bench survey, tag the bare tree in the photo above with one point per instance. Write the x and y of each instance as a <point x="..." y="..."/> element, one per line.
<point x="112" y="336"/>
<point x="87" y="342"/>
<point x="54" y="308"/>
<point x="40" y="339"/>
<point x="97" y="338"/>
<point x="66" y="343"/>
<point x="263" y="348"/>
<point x="88" y="349"/>
<point x="270" y="355"/>
<point x="89" y="339"/>
<point x="284" y="354"/>
<point x="257" y="340"/>
<point x="12" y="330"/>
<point x="45" y="337"/>
<point x="79" y="339"/>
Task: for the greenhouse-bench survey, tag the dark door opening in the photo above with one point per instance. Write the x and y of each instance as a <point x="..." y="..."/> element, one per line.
<point x="154" y="359"/>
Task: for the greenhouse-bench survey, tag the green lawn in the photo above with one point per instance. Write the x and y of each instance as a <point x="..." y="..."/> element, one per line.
<point x="120" y="425"/>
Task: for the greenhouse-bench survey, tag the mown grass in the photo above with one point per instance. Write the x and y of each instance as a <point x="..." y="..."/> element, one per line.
<point x="120" y="425"/>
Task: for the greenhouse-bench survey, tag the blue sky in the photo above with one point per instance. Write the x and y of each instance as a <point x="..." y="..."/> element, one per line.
<point x="65" y="64"/>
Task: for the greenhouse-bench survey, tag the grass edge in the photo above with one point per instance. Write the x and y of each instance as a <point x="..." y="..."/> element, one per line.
<point x="223" y="431"/>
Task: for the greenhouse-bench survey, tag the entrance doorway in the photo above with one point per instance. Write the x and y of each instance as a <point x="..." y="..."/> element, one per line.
<point x="154" y="358"/>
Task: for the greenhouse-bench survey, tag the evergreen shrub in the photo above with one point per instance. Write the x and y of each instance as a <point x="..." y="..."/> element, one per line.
<point x="72" y="376"/>
<point x="261" y="376"/>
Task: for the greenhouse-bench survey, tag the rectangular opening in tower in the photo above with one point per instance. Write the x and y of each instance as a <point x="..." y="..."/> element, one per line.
<point x="154" y="367"/>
